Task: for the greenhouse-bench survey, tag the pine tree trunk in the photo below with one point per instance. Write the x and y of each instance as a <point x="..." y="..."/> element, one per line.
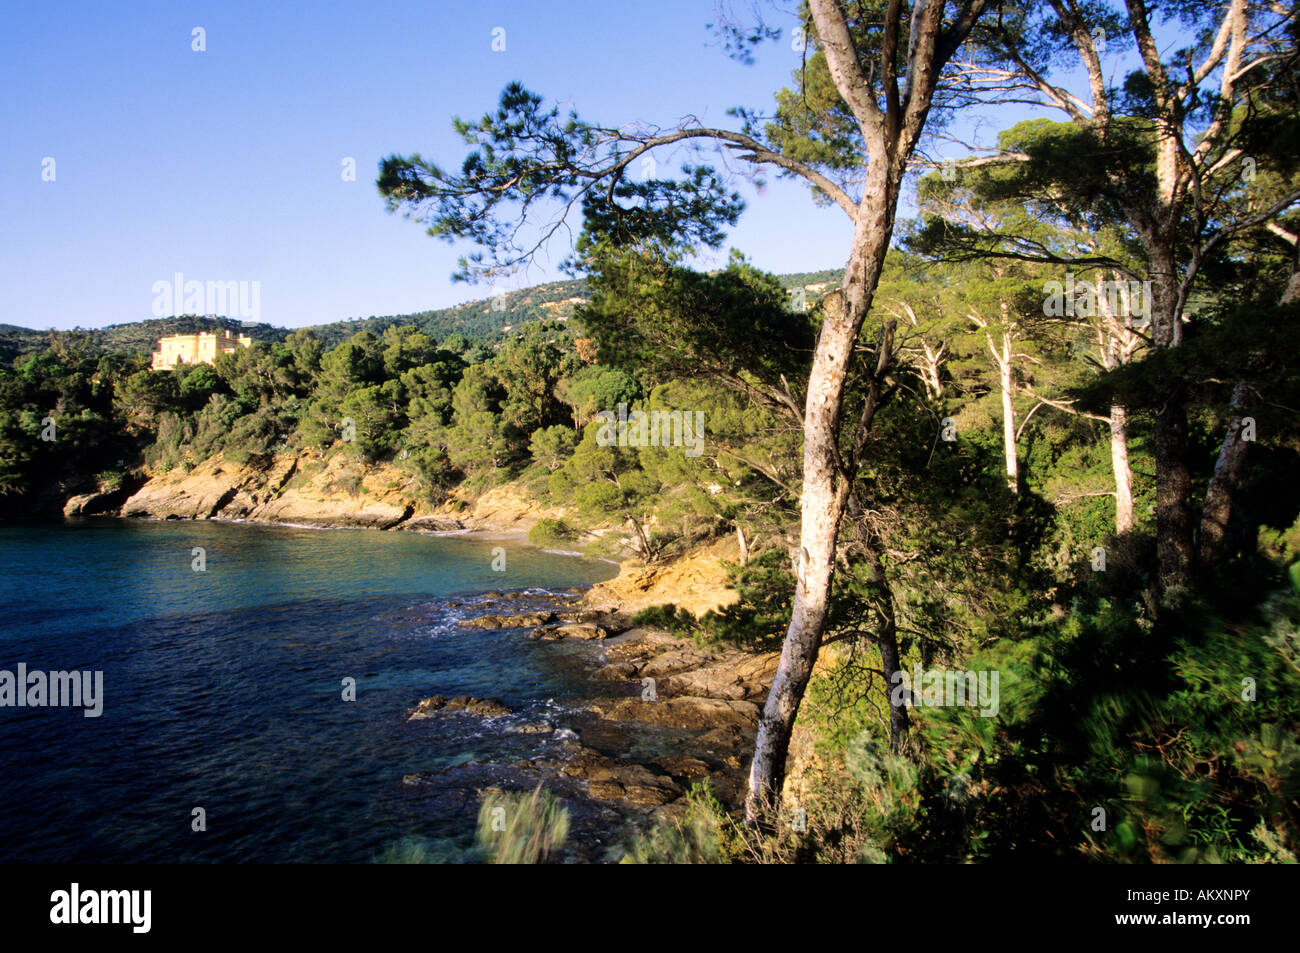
<point x="1120" y="467"/>
<point x="1175" y="553"/>
<point x="888" y="642"/>
<point x="823" y="498"/>
<point x="1008" y="417"/>
<point x="1227" y="472"/>
<point x="890" y="136"/>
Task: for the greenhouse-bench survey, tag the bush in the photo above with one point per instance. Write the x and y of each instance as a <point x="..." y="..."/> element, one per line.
<point x="109" y="480"/>
<point x="702" y="836"/>
<point x="758" y="619"/>
<point x="522" y="828"/>
<point x="665" y="617"/>
<point x="551" y="533"/>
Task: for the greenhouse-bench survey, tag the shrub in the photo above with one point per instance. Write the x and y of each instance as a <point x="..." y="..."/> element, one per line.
<point x="551" y="533"/>
<point x="665" y="617"/>
<point x="109" y="480"/>
<point x="522" y="828"/>
<point x="702" y="836"/>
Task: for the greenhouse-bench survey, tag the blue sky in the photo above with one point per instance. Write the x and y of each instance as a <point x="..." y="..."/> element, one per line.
<point x="225" y="164"/>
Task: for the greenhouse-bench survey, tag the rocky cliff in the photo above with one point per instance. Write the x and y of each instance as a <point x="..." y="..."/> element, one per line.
<point x="696" y="582"/>
<point x="309" y="489"/>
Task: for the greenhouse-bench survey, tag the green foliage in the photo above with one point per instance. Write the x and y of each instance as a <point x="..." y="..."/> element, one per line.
<point x="668" y="616"/>
<point x="522" y="828"/>
<point x="660" y="321"/>
<point x="760" y="616"/>
<point x="702" y="836"/>
<point x="552" y="446"/>
<point x="594" y="389"/>
<point x="551" y="533"/>
<point x="1099" y="711"/>
<point x="425" y="850"/>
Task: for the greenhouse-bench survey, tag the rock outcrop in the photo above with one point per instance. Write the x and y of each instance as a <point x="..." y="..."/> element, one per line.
<point x="573" y="630"/>
<point x="518" y="620"/>
<point x="696" y="582"/>
<point x="332" y="490"/>
<point x="475" y="706"/>
<point x="303" y="489"/>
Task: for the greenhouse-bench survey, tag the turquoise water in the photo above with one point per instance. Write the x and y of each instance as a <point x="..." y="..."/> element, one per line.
<point x="223" y="688"/>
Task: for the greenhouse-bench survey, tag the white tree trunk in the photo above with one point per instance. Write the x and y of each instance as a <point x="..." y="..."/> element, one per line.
<point x="1008" y="414"/>
<point x="1120" y="467"/>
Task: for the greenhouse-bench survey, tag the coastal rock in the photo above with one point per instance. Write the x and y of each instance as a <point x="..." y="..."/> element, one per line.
<point x="615" y="672"/>
<point x="682" y="668"/>
<point x="610" y="779"/>
<point x="672" y="662"/>
<point x="685" y="768"/>
<point x="723" y="738"/>
<point x="507" y="509"/>
<point x="736" y="675"/>
<point x="696" y="582"/>
<point x="688" y="713"/>
<point x="638" y="645"/>
<point x="582" y="615"/>
<point x="326" y="489"/>
<point x="306" y="489"/>
<point x="517" y="621"/>
<point x="432" y="524"/>
<point x="91" y="504"/>
<point x="578" y="630"/>
<point x="476" y="706"/>
<point x="532" y="729"/>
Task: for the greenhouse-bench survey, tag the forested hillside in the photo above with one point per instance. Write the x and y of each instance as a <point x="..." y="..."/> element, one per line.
<point x="476" y="321"/>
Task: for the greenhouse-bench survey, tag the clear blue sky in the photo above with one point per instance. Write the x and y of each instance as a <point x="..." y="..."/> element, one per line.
<point x="225" y="164"/>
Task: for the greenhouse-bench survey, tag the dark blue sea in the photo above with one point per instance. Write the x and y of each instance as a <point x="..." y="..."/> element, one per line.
<point x="223" y="689"/>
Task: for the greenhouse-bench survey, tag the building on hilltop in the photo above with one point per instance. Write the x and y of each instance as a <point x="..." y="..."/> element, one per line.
<point x="195" y="349"/>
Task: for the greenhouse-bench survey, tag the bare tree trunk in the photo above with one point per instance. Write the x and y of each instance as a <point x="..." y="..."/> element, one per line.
<point x="1175" y="554"/>
<point x="1120" y="467"/>
<point x="744" y="546"/>
<point x="641" y="537"/>
<point x="887" y="639"/>
<point x="822" y="502"/>
<point x="1008" y="414"/>
<point x="1227" y="472"/>
<point x="1232" y="454"/>
<point x="890" y="135"/>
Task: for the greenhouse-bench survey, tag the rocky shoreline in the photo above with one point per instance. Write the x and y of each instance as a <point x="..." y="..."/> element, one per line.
<point x="310" y="489"/>
<point x="691" y="711"/>
<point x="661" y="714"/>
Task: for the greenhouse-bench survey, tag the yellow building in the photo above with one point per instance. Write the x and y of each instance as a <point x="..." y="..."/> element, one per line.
<point x="195" y="349"/>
